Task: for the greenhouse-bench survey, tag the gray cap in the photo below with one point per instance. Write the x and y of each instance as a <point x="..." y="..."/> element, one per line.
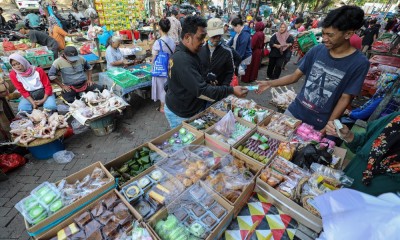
<point x="71" y="53"/>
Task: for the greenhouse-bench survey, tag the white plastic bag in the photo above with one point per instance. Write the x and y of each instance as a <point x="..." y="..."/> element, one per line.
<point x="226" y="125"/>
<point x="63" y="157"/>
<point x="349" y="214"/>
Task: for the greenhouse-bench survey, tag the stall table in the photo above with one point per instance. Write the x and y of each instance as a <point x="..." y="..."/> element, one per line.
<point x="105" y="80"/>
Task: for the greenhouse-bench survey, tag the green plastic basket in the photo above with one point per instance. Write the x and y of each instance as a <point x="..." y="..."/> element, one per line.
<point x="144" y="66"/>
<point x="307" y="41"/>
<point x="142" y="75"/>
<point x="40" y="60"/>
<point x="125" y="80"/>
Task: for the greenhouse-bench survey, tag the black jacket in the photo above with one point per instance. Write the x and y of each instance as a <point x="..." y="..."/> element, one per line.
<point x="221" y="63"/>
<point x="185" y="84"/>
<point x="274" y="51"/>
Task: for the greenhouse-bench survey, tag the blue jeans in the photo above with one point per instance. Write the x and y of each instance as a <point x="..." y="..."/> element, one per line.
<point x="49" y="104"/>
<point x="173" y="119"/>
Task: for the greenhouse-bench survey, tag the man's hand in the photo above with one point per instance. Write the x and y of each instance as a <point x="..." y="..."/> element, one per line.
<point x="240" y="92"/>
<point x="345" y="131"/>
<point x="89" y="83"/>
<point x="66" y="88"/>
<point x="263" y="85"/>
<point x="347" y="112"/>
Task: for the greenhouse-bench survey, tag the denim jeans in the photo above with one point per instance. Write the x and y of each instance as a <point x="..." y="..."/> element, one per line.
<point x="172" y="118"/>
<point x="49" y="104"/>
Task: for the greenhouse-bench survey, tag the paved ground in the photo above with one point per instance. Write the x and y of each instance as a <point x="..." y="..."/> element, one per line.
<point x="145" y="124"/>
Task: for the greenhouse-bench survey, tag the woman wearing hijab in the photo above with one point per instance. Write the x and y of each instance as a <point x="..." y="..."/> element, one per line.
<point x="58" y="33"/>
<point x="280" y="44"/>
<point x="33" y="84"/>
<point x="252" y="28"/>
<point x="257" y="46"/>
<point x="376" y="166"/>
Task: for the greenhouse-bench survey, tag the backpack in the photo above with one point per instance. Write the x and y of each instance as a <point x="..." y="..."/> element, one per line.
<point x="160" y="66"/>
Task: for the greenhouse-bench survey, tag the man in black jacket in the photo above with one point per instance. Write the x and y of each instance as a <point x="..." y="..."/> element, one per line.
<point x="218" y="60"/>
<point x="186" y="90"/>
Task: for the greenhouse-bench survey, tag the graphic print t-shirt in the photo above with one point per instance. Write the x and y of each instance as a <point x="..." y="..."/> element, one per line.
<point x="327" y="78"/>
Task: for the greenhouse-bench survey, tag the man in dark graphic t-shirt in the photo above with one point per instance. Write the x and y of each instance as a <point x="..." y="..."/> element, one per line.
<point x="335" y="71"/>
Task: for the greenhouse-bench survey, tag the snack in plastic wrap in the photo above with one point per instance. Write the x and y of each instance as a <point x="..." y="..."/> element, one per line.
<point x="92" y="230"/>
<point x="68" y="231"/>
<point x="97" y="210"/>
<point x="72" y="192"/>
<point x="179" y="139"/>
<point x="122" y="214"/>
<point x="83" y="219"/>
<point x="110" y="229"/>
<point x="139" y="233"/>
<point x="205" y="121"/>
<point x="218" y="210"/>
<point x="286" y="150"/>
<point x="229" y="179"/>
<point x="282" y="124"/>
<point x="259" y="147"/>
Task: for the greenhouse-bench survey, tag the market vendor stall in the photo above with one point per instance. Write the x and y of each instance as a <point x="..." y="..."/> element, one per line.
<point x="129" y="80"/>
<point x="187" y="183"/>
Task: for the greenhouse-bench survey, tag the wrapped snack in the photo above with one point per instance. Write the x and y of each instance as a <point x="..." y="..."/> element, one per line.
<point x="122" y="214"/>
<point x="97" y="210"/>
<point x="140" y="233"/>
<point x="111" y="201"/>
<point x="110" y="230"/>
<point x="105" y="217"/>
<point x="92" y="230"/>
<point x="97" y="173"/>
<point x="209" y="221"/>
<point x="281" y="166"/>
<point x="83" y="219"/>
<point x="286" y="150"/>
<point x="65" y="233"/>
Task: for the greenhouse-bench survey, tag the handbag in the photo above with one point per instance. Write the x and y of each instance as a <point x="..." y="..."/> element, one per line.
<point x="310" y="154"/>
<point x="160" y="66"/>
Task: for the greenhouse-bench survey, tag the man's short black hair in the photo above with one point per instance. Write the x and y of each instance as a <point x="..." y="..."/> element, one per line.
<point x="259" y="19"/>
<point x="237" y="21"/>
<point x="299" y="20"/>
<point x="344" y="18"/>
<point x="1" y="9"/>
<point x="174" y="12"/>
<point x="191" y="23"/>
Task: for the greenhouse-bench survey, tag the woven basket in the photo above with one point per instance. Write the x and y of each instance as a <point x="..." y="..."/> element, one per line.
<point x="41" y="141"/>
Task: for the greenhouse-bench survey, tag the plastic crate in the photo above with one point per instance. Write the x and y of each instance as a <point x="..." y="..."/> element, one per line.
<point x="40" y="60"/>
<point x="307" y="41"/>
<point x="142" y="76"/>
<point x="125" y="80"/>
<point x="144" y="66"/>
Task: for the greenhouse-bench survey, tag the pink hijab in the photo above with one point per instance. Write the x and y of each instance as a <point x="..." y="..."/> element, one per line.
<point x="282" y="38"/>
<point x="29" y="69"/>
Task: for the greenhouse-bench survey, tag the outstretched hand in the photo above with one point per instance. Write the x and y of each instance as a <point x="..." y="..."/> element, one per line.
<point x="262" y="86"/>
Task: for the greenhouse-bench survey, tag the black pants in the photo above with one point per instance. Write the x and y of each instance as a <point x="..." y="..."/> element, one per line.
<point x="275" y="66"/>
<point x="72" y="95"/>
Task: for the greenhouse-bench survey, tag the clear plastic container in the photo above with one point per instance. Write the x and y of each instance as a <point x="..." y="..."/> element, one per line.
<point x="132" y="191"/>
<point x="46" y="193"/>
<point x="32" y="210"/>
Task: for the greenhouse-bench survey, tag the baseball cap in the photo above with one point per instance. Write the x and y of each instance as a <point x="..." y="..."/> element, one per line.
<point x="215" y="27"/>
<point x="19" y="26"/>
<point x="71" y="54"/>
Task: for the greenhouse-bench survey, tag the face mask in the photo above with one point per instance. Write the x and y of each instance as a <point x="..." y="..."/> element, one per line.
<point x="212" y="45"/>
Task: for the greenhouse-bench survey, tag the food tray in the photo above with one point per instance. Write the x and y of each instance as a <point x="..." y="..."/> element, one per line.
<point x="142" y="75"/>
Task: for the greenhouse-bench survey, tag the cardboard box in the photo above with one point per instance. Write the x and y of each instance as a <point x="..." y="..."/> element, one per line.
<point x="218" y="230"/>
<point x="84" y="200"/>
<point x="255" y="168"/>
<point x="225" y="146"/>
<point x="288" y="206"/>
<point x="275" y="135"/>
<point x="117" y="162"/>
<point x="199" y="137"/>
<point x="241" y="155"/>
<point x="188" y="126"/>
<point x="53" y="232"/>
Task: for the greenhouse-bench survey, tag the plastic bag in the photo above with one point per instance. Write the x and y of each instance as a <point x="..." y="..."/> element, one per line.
<point x="11" y="161"/>
<point x="63" y="157"/>
<point x="344" y="213"/>
<point x="140" y="233"/>
<point x="226" y="125"/>
<point x="78" y="128"/>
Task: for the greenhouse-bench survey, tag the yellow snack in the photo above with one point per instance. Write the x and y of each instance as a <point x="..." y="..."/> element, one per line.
<point x="157" y="197"/>
<point x="162" y="188"/>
